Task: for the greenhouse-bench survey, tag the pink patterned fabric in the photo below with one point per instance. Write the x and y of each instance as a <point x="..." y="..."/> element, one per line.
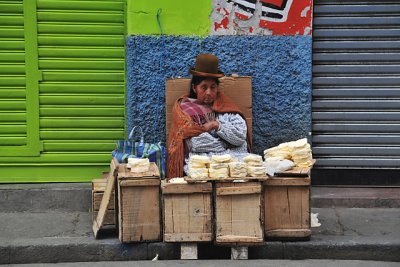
<point x="199" y="113"/>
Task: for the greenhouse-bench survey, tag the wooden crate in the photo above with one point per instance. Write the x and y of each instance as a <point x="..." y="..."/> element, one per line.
<point x="287" y="208"/>
<point x="187" y="212"/>
<point x="98" y="187"/>
<point x="238" y="213"/>
<point x="139" y="215"/>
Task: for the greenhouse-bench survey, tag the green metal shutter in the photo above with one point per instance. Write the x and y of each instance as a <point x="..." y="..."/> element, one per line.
<point x="19" y="77"/>
<point x="81" y="56"/>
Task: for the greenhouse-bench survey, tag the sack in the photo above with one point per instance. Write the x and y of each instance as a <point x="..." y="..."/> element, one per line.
<point x="155" y="152"/>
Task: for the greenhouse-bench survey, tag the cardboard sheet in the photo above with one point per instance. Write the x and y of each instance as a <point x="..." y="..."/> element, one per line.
<point x="237" y="88"/>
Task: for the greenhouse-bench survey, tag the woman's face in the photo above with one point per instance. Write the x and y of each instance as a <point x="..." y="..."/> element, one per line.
<point x="206" y="91"/>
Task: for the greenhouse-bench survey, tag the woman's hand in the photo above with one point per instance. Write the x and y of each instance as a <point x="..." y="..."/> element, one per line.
<point x="212" y="125"/>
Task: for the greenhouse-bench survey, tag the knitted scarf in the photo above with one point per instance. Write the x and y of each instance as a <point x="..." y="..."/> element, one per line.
<point x="183" y="127"/>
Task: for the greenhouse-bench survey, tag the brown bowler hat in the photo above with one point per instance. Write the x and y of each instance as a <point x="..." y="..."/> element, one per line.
<point x="206" y="66"/>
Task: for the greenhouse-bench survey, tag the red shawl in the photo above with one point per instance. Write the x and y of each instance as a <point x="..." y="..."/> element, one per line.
<point x="183" y="127"/>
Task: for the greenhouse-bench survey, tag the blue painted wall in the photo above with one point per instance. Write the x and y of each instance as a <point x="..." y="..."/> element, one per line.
<point x="280" y="67"/>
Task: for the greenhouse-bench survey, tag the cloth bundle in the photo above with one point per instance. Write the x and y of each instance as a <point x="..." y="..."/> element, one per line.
<point x="277" y="164"/>
<point x="131" y="148"/>
<point x="298" y="151"/>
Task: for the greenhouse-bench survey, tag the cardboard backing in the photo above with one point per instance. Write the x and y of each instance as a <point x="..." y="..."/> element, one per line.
<point x="237" y="88"/>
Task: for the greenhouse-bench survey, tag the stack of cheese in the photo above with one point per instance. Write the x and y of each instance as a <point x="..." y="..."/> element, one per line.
<point x="219" y="167"/>
<point x="255" y="166"/>
<point x="198" y="167"/>
<point x="298" y="151"/>
<point x="301" y="153"/>
<point x="237" y="169"/>
<point x="139" y="165"/>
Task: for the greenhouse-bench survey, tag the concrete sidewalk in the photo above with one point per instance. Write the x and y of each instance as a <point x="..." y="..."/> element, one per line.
<point x="59" y="229"/>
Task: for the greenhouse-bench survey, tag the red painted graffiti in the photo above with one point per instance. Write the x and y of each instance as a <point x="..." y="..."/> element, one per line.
<point x="280" y="17"/>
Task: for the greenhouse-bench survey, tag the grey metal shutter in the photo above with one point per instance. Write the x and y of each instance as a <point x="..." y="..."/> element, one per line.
<point x="356" y="84"/>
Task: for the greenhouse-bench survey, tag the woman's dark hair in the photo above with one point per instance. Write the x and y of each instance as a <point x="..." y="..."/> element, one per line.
<point x="196" y="80"/>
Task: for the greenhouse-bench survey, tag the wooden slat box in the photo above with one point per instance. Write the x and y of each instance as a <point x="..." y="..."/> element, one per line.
<point x="238" y="213"/>
<point x="139" y="215"/>
<point x="287" y="208"/>
<point x="187" y="212"/>
<point x="98" y="187"/>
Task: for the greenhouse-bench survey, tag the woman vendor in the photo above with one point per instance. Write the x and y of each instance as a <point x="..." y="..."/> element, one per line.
<point x="205" y="121"/>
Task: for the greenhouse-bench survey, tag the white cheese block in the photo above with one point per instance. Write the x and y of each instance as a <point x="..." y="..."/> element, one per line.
<point x="197" y="165"/>
<point x="256" y="171"/>
<point x="219" y="173"/>
<point x="198" y="173"/>
<point x="252" y="158"/>
<point x="237" y="169"/>
<point x="255" y="164"/>
<point x="198" y="161"/>
<point x="139" y="164"/>
<point x="218" y="165"/>
<point x="221" y="158"/>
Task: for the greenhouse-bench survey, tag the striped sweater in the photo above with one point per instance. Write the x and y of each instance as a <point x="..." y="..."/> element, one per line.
<point x="230" y="138"/>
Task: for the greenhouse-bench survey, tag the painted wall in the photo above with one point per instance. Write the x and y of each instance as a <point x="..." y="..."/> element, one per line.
<point x="280" y="67"/>
<point x="263" y="17"/>
<point x="177" y="17"/>
<point x="220" y="17"/>
<point x="277" y="54"/>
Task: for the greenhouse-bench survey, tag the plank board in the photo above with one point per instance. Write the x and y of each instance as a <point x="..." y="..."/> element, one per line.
<point x="288" y="181"/>
<point x="171" y="188"/>
<point x="98" y="223"/>
<point x="97" y="197"/>
<point x="99" y="185"/>
<point x="139" y="206"/>
<point x="292" y="233"/>
<point x="109" y="218"/>
<point x="243" y="190"/>
<point x="187" y="212"/>
<point x="238" y="216"/>
<point x="287" y="207"/>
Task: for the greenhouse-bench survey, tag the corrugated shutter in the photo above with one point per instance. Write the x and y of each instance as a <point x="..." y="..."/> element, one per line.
<point x="18" y="81"/>
<point x="12" y="79"/>
<point x="356" y="84"/>
<point x="81" y="56"/>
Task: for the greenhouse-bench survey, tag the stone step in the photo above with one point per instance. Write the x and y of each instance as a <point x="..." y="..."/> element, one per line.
<point x="355" y="197"/>
<point x="345" y="234"/>
<point x="77" y="197"/>
<point x="45" y="197"/>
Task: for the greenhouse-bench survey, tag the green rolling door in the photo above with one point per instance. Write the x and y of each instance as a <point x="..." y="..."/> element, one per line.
<point x="80" y="91"/>
<point x="19" y="75"/>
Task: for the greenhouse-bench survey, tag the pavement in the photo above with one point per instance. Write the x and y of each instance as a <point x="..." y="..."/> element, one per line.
<point x="223" y="263"/>
<point x="50" y="223"/>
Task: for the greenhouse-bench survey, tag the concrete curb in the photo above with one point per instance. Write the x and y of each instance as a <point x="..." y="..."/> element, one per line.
<point x="77" y="197"/>
<point x="112" y="250"/>
<point x="45" y="197"/>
